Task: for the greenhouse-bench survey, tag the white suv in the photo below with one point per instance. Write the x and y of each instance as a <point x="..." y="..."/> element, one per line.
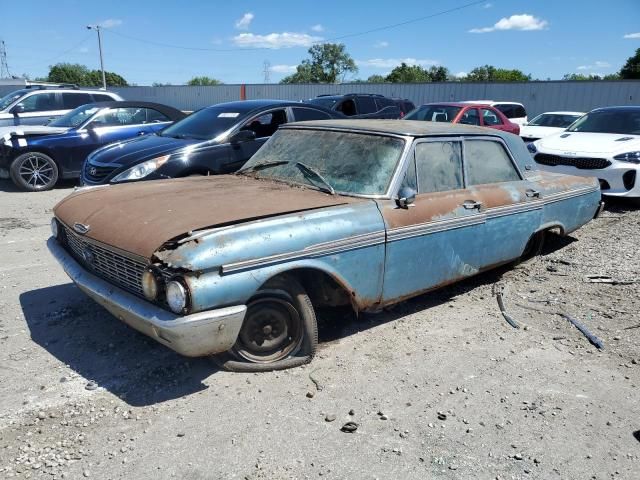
<point x="37" y="104"/>
<point x="512" y="110"/>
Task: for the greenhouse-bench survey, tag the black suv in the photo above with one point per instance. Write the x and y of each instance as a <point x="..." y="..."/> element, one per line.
<point x="359" y="105"/>
<point x="405" y="105"/>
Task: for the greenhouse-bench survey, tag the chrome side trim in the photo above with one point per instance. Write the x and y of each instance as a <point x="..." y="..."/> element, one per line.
<point x="317" y="250"/>
<point x="556" y="197"/>
<point x="402" y="233"/>
<point x="513" y="209"/>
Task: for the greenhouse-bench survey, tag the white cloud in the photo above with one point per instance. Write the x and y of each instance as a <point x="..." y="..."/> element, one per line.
<point x="110" y="23"/>
<point x="317" y="28"/>
<point x="514" y="22"/>
<point x="245" y="21"/>
<point x="283" y="68"/>
<point x="386" y="63"/>
<point x="487" y="5"/>
<point x="381" y="44"/>
<point x="596" y="64"/>
<point x="460" y="74"/>
<point x="632" y="35"/>
<point x="275" y="40"/>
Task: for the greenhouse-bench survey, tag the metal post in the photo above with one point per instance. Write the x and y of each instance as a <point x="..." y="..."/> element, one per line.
<point x="97" y="29"/>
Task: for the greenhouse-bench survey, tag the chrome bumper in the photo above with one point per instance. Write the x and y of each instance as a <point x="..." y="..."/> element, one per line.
<point x="194" y="335"/>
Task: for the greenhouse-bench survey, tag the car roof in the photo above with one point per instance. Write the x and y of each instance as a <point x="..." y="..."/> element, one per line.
<point x="456" y="104"/>
<point x="561" y="113"/>
<point x="170" y="112"/>
<point x="248" y="105"/>
<point x="618" y="108"/>
<point x="491" y="102"/>
<point x="413" y="128"/>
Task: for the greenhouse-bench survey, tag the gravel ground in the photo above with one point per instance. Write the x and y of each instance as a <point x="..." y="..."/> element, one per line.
<point x="439" y="386"/>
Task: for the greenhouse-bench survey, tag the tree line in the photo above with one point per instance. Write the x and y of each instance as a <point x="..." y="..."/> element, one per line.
<point x="330" y="63"/>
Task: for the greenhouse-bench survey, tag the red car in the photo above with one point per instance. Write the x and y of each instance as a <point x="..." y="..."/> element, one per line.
<point x="467" y="113"/>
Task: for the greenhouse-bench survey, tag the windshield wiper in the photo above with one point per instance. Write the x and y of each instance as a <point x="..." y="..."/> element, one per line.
<point x="307" y="169"/>
<point x="260" y="166"/>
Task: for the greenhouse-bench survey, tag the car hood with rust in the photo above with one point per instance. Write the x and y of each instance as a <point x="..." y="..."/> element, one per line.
<point x="140" y="217"/>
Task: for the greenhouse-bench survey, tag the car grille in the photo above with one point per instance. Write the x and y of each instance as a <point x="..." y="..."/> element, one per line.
<point x="583" y="163"/>
<point x="94" y="173"/>
<point x="108" y="264"/>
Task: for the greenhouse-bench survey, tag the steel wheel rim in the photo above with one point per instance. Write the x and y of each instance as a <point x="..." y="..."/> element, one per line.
<point x="36" y="171"/>
<point x="272" y="330"/>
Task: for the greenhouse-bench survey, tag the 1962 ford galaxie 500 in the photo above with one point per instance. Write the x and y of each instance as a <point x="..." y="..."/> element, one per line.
<point x="358" y="212"/>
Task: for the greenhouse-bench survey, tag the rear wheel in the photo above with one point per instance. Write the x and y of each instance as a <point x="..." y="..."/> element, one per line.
<point x="279" y="330"/>
<point x="34" y="172"/>
<point x="533" y="247"/>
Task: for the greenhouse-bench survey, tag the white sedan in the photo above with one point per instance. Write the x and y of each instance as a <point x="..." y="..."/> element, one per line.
<point x="605" y="143"/>
<point x="547" y="124"/>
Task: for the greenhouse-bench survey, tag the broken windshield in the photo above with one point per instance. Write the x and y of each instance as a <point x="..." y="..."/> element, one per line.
<point x="353" y="163"/>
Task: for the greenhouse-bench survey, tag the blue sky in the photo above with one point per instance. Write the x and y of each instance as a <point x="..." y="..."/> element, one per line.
<point x="546" y="38"/>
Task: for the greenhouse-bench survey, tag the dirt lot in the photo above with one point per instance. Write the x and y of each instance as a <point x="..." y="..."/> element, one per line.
<point x="440" y="386"/>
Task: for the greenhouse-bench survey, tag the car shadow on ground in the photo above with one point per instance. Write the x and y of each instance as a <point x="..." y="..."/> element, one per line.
<point x="620" y="205"/>
<point x="8" y="186"/>
<point x="93" y="343"/>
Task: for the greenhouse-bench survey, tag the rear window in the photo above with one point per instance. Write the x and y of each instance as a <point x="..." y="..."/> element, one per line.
<point x="366" y="104"/>
<point x="511" y="111"/>
<point x="74" y="100"/>
<point x="99" y="97"/>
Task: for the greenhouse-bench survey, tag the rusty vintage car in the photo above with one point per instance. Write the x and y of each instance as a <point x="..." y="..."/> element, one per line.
<point x="363" y="213"/>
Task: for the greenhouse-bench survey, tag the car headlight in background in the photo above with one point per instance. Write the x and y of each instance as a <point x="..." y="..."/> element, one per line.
<point x="532" y="148"/>
<point x="177" y="296"/>
<point x="631" y="157"/>
<point x="54" y="227"/>
<point x="150" y="286"/>
<point x="142" y="169"/>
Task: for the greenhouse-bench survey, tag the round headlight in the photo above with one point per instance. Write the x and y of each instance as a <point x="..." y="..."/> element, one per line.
<point x="54" y="227"/>
<point x="176" y="296"/>
<point x="149" y="285"/>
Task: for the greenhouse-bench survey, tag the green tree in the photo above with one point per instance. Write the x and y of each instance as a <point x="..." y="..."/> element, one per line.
<point x="489" y="73"/>
<point x="376" y="79"/>
<point x="439" y="73"/>
<point x="631" y="69"/>
<point x="82" y="76"/>
<point x="404" y="73"/>
<point x="328" y="63"/>
<point x="204" y="80"/>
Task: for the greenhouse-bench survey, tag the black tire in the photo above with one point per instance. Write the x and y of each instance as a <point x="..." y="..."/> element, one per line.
<point x="34" y="172"/>
<point x="279" y="330"/>
<point x="533" y="247"/>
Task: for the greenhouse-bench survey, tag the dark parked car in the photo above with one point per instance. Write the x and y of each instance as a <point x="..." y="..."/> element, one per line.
<point x="405" y="105"/>
<point x="215" y="139"/>
<point x="359" y="105"/>
<point x="35" y="157"/>
<point x="39" y="103"/>
<point x="465" y="113"/>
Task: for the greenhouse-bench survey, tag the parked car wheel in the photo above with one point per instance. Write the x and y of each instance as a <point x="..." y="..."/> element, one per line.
<point x="534" y="247"/>
<point x="279" y="329"/>
<point x="34" y="172"/>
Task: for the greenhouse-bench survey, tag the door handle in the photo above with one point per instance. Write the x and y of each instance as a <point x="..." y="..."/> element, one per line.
<point x="141" y="132"/>
<point x="532" y="193"/>
<point x="472" y="204"/>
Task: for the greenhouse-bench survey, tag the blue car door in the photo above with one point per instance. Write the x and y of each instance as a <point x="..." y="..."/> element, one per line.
<point x="435" y="241"/>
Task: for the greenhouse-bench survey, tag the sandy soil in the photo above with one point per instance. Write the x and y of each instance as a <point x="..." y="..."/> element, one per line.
<point x="440" y="386"/>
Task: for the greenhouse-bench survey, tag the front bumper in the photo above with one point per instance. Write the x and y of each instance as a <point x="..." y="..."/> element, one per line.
<point x="195" y="335"/>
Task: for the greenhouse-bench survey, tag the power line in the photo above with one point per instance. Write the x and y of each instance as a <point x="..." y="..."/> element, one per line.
<point x="60" y="55"/>
<point x="341" y="37"/>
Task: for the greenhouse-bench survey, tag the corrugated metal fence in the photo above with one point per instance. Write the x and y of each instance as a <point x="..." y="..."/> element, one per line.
<point x="537" y="97"/>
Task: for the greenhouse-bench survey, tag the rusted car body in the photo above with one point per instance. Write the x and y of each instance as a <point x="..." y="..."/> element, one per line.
<point x="415" y="205"/>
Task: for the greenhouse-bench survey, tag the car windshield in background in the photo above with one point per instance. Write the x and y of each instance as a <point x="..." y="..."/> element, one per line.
<point x="434" y="113"/>
<point x="351" y="163"/>
<point x="611" y="121"/>
<point x="204" y="124"/>
<point x="76" y="117"/>
<point x="326" y="102"/>
<point x="9" y="99"/>
<point x="553" y="120"/>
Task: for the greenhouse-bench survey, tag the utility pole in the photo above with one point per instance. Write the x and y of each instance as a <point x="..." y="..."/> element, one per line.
<point x="267" y="71"/>
<point x="4" y="66"/>
<point x="97" y="28"/>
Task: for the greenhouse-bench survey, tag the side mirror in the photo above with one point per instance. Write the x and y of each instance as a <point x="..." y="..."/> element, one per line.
<point x="406" y="197"/>
<point x="19" y="108"/>
<point x="242" y="136"/>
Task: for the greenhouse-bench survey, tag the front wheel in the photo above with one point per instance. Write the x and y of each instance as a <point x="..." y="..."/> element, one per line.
<point x="34" y="172"/>
<point x="279" y="330"/>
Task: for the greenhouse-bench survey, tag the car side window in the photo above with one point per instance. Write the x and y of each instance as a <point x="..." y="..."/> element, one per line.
<point x="302" y="114"/>
<point x="488" y="162"/>
<point x="519" y="112"/>
<point x="40" y="102"/>
<point x="439" y="166"/>
<point x="366" y="104"/>
<point x="98" y="97"/>
<point x="266" y="124"/>
<point x="154" y="116"/>
<point x="410" y="180"/>
<point x="347" y="107"/>
<point x="507" y="110"/>
<point x="118" y="117"/>
<point x="470" y="117"/>
<point x="489" y="117"/>
<point x="74" y="100"/>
